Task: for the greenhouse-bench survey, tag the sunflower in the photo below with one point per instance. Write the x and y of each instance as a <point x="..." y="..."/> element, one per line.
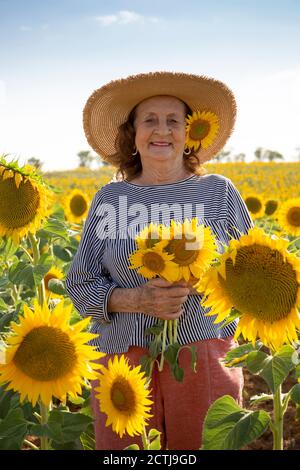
<point x="46" y="357"/>
<point x="148" y="236"/>
<point x="193" y="247"/>
<point x="201" y="129"/>
<point x="76" y="206"/>
<point x="152" y="262"/>
<point x="261" y="279"/>
<point x="25" y="200"/>
<point x="271" y="206"/>
<point x="123" y="397"/>
<point x="255" y="206"/>
<point x="53" y="273"/>
<point x="289" y="216"/>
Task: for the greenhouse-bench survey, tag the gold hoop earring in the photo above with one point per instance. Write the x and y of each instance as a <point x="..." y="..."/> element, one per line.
<point x="134" y="154"/>
<point x="187" y="151"/>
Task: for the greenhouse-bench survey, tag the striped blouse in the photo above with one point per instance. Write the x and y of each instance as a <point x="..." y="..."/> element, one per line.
<point x="117" y="212"/>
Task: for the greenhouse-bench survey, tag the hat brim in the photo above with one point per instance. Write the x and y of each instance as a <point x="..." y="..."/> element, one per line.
<point x="109" y="106"/>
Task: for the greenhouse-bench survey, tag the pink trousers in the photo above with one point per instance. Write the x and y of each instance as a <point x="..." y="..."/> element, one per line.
<point x="179" y="408"/>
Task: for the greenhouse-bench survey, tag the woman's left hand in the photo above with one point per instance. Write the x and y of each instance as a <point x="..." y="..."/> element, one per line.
<point x="188" y="284"/>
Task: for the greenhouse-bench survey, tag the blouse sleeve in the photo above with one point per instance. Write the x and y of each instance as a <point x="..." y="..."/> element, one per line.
<point x="238" y="218"/>
<point x="88" y="283"/>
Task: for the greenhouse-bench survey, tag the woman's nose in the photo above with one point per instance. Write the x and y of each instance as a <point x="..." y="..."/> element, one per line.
<point x="162" y="128"/>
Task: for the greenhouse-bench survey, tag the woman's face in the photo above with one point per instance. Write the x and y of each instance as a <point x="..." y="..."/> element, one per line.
<point x="160" y="129"/>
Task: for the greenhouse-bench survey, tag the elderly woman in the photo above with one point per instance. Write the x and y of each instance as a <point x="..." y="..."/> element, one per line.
<point x="138" y="124"/>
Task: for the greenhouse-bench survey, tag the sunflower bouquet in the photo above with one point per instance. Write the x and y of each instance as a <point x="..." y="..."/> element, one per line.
<point x="180" y="251"/>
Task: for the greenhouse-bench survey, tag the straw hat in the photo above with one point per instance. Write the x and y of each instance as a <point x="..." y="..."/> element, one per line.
<point x="110" y="105"/>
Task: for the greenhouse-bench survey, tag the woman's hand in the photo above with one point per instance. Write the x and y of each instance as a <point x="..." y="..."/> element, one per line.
<point x="163" y="299"/>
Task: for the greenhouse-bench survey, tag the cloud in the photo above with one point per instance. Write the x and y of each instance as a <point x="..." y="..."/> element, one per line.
<point x="125" y="17"/>
<point x="25" y="28"/>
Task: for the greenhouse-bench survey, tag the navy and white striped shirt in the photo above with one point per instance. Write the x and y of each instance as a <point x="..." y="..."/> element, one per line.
<point x="101" y="262"/>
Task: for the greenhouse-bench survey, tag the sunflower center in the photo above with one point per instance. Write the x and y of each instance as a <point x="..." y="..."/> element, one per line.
<point x="122" y="396"/>
<point x="18" y="206"/>
<point x="271" y="207"/>
<point x="293" y="216"/>
<point x="261" y="283"/>
<point x="154" y="262"/>
<point x="46" y="353"/>
<point x="78" y="205"/>
<point x="253" y="203"/>
<point x="182" y="255"/>
<point x="199" y="129"/>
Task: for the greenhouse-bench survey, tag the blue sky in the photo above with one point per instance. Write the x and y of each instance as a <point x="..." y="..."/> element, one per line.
<point x="53" y="54"/>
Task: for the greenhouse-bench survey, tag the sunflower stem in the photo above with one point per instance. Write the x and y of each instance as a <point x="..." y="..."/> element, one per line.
<point x="27" y="253"/>
<point x="15" y="293"/>
<point x="145" y="439"/>
<point x="36" y="257"/>
<point x="278" y="421"/>
<point x="163" y="346"/>
<point x="170" y="331"/>
<point x="175" y="330"/>
<point x="44" y="420"/>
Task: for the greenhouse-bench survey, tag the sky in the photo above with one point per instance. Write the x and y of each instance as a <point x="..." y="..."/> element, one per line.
<point x="54" y="54"/>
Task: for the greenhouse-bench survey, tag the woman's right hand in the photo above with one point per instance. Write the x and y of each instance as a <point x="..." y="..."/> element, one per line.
<point x="163" y="299"/>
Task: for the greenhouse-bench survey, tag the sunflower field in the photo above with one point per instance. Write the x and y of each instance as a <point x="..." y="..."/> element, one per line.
<point x="47" y="362"/>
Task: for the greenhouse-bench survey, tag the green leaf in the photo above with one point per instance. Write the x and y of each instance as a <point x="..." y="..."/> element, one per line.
<point x="63" y="254"/>
<point x="227" y="426"/>
<point x="54" y="228"/>
<point x="237" y="357"/>
<point x="46" y="260"/>
<point x="5" y="320"/>
<point x="39" y="273"/>
<point x="234" y="314"/>
<point x="3" y="305"/>
<point x="146" y="363"/>
<point x="13" y="429"/>
<point x="132" y="447"/>
<point x="260" y="398"/>
<point x="87" y="438"/>
<point x="154" y="437"/>
<point x="193" y="350"/>
<point x="256" y="361"/>
<point x="273" y="369"/>
<point x="8" y="248"/>
<point x="65" y="426"/>
<point x="154" y="330"/>
<point x="56" y="286"/>
<point x="22" y="273"/>
<point x="155" y="347"/>
<point x="295" y="394"/>
<point x="171" y="355"/>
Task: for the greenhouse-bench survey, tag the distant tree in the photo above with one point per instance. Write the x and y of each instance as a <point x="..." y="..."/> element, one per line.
<point x="298" y="153"/>
<point x="240" y="157"/>
<point x="259" y="153"/>
<point x="267" y="155"/>
<point x="273" y="155"/>
<point x="36" y="162"/>
<point x="223" y="154"/>
<point x="85" y="158"/>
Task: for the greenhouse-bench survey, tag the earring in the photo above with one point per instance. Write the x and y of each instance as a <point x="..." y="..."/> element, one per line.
<point x="187" y="151"/>
<point x="135" y="152"/>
